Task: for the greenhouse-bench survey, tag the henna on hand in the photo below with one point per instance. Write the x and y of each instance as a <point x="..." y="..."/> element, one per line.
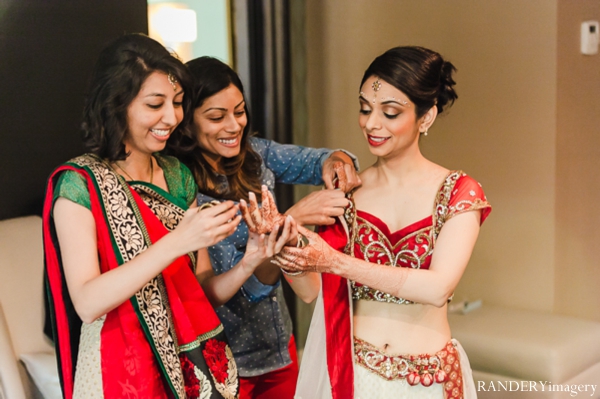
<point x="315" y="256"/>
<point x="261" y="220"/>
<point x="340" y="173"/>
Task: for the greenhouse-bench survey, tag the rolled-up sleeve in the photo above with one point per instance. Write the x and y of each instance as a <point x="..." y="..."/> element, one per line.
<point x="292" y="163"/>
<point x="295" y="164"/>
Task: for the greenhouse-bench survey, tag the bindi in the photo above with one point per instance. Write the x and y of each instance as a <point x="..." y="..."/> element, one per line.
<point x="376" y="85"/>
<point x="172" y="80"/>
<point x="398" y="100"/>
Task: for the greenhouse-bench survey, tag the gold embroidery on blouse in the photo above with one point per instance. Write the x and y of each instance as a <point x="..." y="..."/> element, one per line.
<point x="375" y="246"/>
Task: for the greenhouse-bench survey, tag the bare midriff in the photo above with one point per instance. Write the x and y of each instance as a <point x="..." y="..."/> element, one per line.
<point x="401" y="329"/>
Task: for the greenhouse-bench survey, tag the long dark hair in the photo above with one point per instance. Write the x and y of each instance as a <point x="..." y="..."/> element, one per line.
<point x="422" y="74"/>
<point x="120" y="72"/>
<point x="210" y="76"/>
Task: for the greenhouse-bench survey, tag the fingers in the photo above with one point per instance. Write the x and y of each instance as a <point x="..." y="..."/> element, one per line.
<point x="328" y="177"/>
<point x="340" y="172"/>
<point x="217" y="209"/>
<point x="276" y="262"/>
<point x="332" y="205"/>
<point x="215" y="215"/>
<point x="329" y="171"/>
<point x="246" y="215"/>
<point x="287" y="233"/>
<point x="327" y="221"/>
<point x="270" y="212"/>
<point x="261" y="240"/>
<point x="293" y="228"/>
<point x="225" y="230"/>
<point x="311" y="235"/>
<point x="353" y="179"/>
<point x="272" y="241"/>
<point x="256" y="219"/>
<point x="253" y="204"/>
<point x="222" y="217"/>
<point x="267" y="202"/>
<point x="282" y="262"/>
<point x="289" y="259"/>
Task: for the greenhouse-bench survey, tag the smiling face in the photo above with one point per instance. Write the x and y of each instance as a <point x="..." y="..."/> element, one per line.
<point x="153" y="114"/>
<point x="220" y="123"/>
<point x="387" y="118"/>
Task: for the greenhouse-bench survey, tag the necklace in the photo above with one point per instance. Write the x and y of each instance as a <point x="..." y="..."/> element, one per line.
<point x="131" y="178"/>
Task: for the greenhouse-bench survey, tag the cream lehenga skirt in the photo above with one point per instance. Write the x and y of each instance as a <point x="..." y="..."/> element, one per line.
<point x="313" y="381"/>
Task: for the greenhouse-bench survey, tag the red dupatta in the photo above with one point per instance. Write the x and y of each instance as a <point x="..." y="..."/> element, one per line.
<point x="166" y="341"/>
<point x="338" y="321"/>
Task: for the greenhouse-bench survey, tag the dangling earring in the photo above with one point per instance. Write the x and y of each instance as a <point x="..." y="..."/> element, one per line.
<point x="424" y="133"/>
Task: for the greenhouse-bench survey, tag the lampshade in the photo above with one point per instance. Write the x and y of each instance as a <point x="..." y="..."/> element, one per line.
<point x="175" y="25"/>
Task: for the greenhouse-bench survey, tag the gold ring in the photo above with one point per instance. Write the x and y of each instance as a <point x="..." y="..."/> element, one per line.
<point x="302" y="241"/>
<point x="208" y="205"/>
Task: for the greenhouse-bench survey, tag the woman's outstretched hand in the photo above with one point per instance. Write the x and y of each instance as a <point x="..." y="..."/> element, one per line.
<point x="261" y="247"/>
<point x="314" y="256"/>
<point x="261" y="220"/>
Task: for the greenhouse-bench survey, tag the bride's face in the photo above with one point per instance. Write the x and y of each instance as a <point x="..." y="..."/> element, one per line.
<point x="387" y="118"/>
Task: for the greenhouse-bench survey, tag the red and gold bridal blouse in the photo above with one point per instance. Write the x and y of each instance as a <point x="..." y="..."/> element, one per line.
<point x="411" y="246"/>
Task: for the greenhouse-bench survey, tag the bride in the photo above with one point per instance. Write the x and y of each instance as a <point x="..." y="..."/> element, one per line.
<point x="391" y="264"/>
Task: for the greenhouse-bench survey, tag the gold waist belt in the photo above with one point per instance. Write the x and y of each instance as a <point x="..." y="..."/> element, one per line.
<point x="443" y="367"/>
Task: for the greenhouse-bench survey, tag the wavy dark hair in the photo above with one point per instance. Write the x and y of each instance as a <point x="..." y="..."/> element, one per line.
<point x="422" y="74"/>
<point x="119" y="73"/>
<point x="210" y="76"/>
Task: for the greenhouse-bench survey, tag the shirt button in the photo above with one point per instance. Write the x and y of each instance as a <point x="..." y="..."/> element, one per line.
<point x="274" y="299"/>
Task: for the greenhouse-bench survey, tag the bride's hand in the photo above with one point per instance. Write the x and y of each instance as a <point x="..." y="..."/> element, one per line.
<point x="261" y="220"/>
<point x="312" y="256"/>
<point x="261" y="247"/>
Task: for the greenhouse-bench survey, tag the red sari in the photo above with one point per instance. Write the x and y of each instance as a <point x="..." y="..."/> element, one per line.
<point x="166" y="341"/>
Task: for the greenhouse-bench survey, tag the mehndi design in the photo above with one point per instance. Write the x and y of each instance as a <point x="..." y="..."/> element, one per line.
<point x="261" y="220"/>
<point x="341" y="178"/>
<point x="316" y="256"/>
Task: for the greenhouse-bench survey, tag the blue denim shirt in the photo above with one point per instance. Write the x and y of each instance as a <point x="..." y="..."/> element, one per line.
<point x="256" y="319"/>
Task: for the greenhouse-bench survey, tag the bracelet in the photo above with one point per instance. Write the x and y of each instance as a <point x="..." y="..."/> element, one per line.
<point x="293" y="273"/>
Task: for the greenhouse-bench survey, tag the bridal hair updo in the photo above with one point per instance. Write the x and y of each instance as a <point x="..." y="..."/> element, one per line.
<point x="422" y="74"/>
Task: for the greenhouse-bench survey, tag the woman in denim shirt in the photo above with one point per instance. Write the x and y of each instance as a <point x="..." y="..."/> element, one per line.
<point x="228" y="164"/>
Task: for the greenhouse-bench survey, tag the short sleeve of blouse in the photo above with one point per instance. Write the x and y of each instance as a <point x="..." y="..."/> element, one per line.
<point x="179" y="178"/>
<point x="189" y="183"/>
<point x="72" y="186"/>
<point x="468" y="195"/>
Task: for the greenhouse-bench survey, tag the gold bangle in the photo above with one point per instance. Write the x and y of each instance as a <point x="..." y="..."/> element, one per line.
<point x="293" y="273"/>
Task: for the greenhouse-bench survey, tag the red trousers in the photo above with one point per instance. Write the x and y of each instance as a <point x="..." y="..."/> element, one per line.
<point x="277" y="384"/>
